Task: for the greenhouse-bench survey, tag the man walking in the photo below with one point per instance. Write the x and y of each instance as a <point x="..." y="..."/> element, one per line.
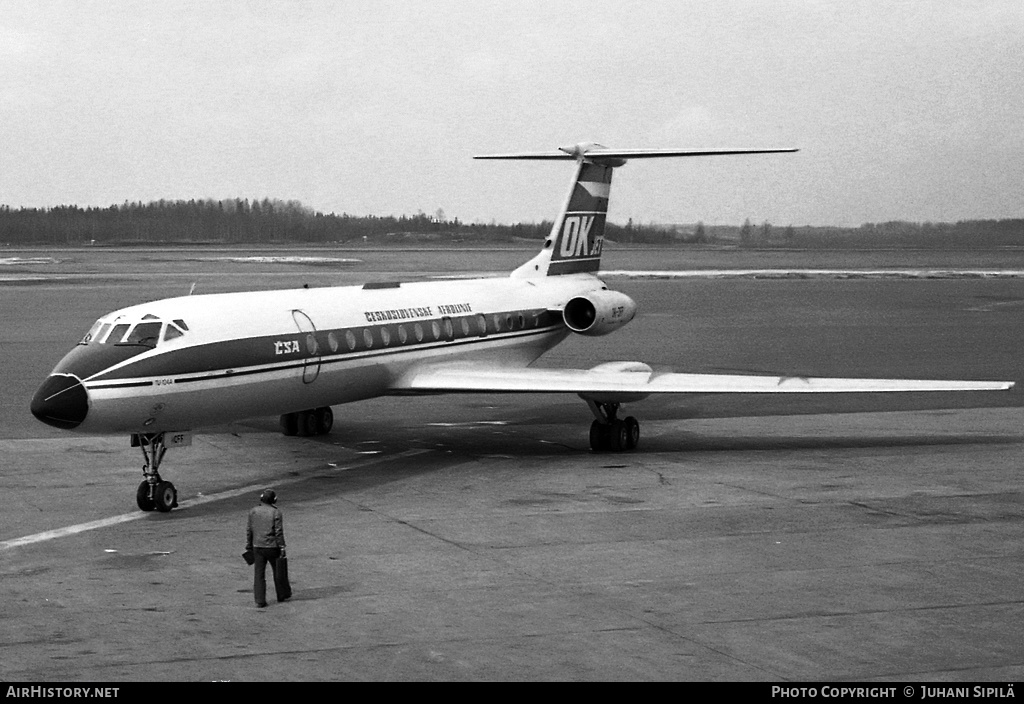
<point x="265" y="537"/>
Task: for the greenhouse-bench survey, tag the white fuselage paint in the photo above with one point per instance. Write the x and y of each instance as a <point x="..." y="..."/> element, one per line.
<point x="172" y="398"/>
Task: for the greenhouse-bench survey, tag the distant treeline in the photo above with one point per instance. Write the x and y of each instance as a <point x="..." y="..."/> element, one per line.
<point x="265" y="221"/>
<point x="282" y="222"/>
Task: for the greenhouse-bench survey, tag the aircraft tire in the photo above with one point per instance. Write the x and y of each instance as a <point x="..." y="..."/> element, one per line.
<point x="307" y="423"/>
<point x="142" y="497"/>
<point x="632" y="432"/>
<point x="324" y="420"/>
<point x="598" y="437"/>
<point x="166" y="497"/>
<point x="290" y="424"/>
<point x="619" y="437"/>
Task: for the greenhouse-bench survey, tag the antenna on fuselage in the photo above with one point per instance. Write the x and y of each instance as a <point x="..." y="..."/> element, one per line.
<point x="193" y="288"/>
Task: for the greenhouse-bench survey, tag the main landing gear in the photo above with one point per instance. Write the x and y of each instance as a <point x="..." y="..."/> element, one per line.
<point x="608" y="433"/>
<point x="154" y="492"/>
<point x="316" y="421"/>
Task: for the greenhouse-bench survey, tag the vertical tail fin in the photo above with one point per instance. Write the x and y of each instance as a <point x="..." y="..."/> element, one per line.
<point x="577" y="237"/>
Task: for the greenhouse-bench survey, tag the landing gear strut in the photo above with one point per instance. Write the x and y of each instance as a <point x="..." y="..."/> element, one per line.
<point x="316" y="421"/>
<point x="154" y="492"/>
<point x="608" y="433"/>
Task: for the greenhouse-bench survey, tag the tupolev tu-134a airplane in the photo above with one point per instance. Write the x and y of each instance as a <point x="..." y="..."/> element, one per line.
<point x="160" y="370"/>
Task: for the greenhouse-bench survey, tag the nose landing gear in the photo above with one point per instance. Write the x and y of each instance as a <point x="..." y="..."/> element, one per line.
<point x="154" y="492"/>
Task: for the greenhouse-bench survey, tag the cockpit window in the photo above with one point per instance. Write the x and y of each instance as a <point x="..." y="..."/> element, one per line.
<point x="144" y="334"/>
<point x="117" y="334"/>
<point x="93" y="333"/>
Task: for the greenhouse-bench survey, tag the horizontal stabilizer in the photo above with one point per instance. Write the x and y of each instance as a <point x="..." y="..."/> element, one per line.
<point x="598" y="152"/>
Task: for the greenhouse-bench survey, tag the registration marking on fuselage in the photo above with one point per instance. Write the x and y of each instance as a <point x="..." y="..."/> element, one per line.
<point x="188" y="503"/>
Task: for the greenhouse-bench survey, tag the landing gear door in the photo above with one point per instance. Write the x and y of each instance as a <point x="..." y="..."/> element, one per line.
<point x="310" y="346"/>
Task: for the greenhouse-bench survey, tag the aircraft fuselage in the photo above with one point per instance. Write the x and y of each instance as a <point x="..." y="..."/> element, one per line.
<point x="183" y="363"/>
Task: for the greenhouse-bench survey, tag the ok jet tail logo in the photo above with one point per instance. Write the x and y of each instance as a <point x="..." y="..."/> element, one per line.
<point x="576" y="237"/>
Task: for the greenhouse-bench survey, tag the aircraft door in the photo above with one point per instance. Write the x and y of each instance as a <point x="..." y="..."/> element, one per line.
<point x="310" y="346"/>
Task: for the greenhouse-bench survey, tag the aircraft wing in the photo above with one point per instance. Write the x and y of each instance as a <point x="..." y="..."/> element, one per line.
<point x="633" y="380"/>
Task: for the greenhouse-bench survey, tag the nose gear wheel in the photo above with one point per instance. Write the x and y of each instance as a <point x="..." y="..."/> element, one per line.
<point x="154" y="492"/>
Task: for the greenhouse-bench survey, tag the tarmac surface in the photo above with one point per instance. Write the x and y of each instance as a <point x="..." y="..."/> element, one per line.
<point x="478" y="538"/>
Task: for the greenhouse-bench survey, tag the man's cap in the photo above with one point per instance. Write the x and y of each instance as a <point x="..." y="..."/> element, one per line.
<point x="268" y="496"/>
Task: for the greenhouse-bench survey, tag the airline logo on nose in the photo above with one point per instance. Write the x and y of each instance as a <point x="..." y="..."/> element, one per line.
<point x="576" y="237"/>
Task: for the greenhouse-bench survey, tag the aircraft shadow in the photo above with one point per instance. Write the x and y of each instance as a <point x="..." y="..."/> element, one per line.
<point x="469" y="447"/>
<point x="694" y="443"/>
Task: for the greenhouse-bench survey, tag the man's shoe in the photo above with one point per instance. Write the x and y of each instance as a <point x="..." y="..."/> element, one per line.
<point x="261" y="606"/>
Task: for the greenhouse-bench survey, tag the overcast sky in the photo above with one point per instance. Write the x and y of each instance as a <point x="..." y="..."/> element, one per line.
<point x="902" y="110"/>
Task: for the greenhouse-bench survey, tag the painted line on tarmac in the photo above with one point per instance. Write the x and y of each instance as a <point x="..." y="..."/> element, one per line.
<point x="70" y="530"/>
<point x="189" y="503"/>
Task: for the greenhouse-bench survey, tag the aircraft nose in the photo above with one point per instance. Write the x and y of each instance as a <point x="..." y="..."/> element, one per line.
<point x="61" y="401"/>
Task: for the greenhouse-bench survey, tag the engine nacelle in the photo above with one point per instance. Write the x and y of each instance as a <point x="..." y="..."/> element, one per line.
<point x="598" y="312"/>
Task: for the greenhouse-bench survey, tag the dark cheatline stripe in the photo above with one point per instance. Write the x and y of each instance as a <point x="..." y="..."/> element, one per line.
<point x="574" y="266"/>
<point x="297" y="346"/>
<point x="85" y="360"/>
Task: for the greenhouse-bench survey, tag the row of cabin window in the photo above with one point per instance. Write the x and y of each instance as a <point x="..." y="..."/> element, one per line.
<point x="429" y="331"/>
